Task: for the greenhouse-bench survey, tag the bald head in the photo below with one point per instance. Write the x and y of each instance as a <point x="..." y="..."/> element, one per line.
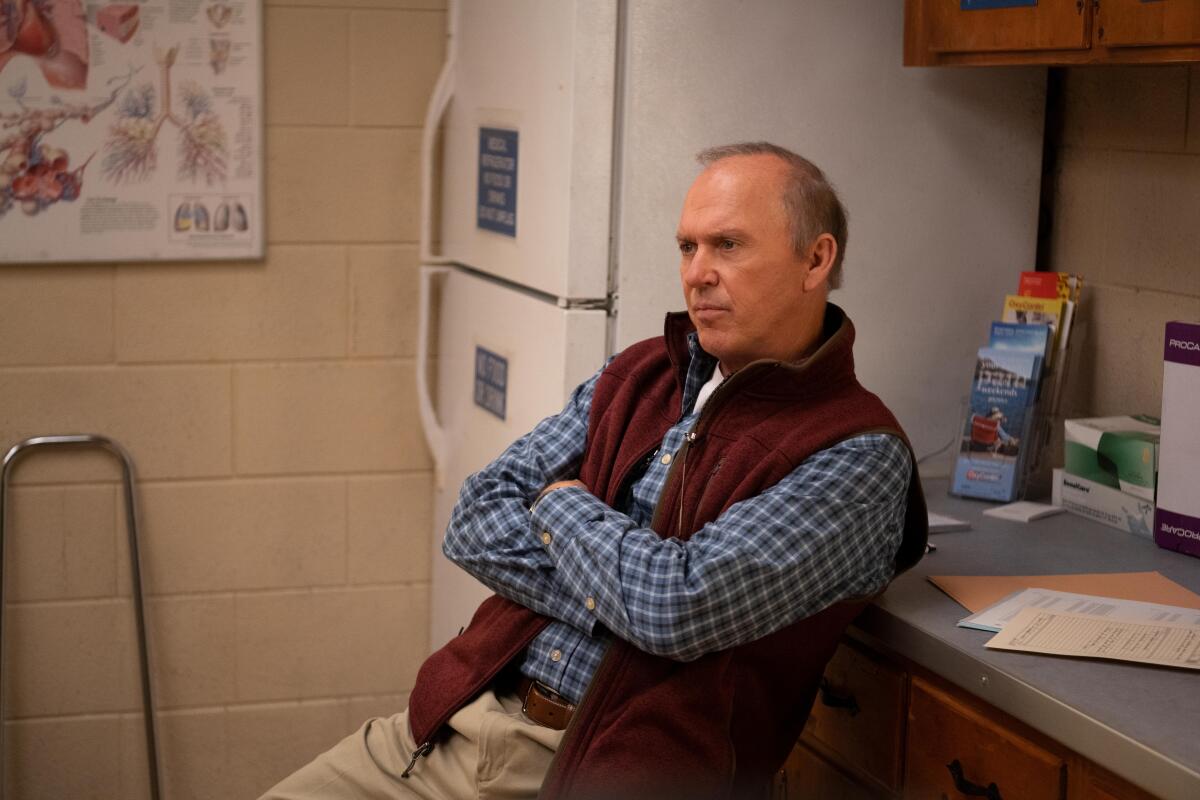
<point x="811" y="202"/>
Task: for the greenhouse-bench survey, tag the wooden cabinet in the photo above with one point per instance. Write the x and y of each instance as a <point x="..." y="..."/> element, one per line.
<point x="858" y="716"/>
<point x="885" y="729"/>
<point x="1098" y="783"/>
<point x="950" y="32"/>
<point x="953" y="750"/>
<point x="808" y="774"/>
<point x="1136" y="23"/>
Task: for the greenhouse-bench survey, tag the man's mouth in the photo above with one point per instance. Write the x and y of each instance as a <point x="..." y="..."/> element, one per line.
<point x="706" y="314"/>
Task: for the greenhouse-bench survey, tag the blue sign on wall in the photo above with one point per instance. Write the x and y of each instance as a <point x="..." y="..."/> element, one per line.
<point x="497" y="209"/>
<point x="976" y="5"/>
<point x="491" y="381"/>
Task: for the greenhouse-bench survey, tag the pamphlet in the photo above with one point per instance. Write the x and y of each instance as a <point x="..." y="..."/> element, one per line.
<point x="998" y="422"/>
<point x="1035" y="310"/>
<point x="1035" y="338"/>
<point x="1062" y="285"/>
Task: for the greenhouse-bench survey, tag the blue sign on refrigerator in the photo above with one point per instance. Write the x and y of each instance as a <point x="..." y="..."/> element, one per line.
<point x="491" y="381"/>
<point x="497" y="207"/>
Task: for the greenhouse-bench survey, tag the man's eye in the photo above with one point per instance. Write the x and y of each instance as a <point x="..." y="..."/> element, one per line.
<point x="728" y="244"/>
<point x="687" y="248"/>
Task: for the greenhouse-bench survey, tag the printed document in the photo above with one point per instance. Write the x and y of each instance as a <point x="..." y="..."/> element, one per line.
<point x="1036" y="630"/>
<point x="994" y="617"/>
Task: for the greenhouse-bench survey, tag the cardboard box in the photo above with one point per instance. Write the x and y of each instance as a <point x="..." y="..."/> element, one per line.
<point x="1103" y="504"/>
<point x="1118" y="452"/>
<point x="1177" y="521"/>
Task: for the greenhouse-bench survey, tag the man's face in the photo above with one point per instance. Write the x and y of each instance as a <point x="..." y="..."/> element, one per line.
<point x="742" y="279"/>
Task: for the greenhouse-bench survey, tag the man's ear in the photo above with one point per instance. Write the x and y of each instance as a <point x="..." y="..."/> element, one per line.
<point x="820" y="259"/>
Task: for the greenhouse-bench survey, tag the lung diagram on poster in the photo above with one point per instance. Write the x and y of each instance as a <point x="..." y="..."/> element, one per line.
<point x="130" y="131"/>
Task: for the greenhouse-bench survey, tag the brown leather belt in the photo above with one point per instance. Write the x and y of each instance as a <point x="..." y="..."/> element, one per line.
<point x="543" y="705"/>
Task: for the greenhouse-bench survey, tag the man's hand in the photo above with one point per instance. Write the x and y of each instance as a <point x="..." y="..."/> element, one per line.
<point x="561" y="485"/>
<point x="557" y="485"/>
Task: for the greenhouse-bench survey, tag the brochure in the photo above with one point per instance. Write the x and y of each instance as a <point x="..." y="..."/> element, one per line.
<point x="998" y="422"/>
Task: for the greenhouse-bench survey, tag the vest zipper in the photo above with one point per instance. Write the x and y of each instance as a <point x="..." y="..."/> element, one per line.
<point x="689" y="438"/>
<point x="677" y="462"/>
<point x="422" y="751"/>
<point x="606" y="664"/>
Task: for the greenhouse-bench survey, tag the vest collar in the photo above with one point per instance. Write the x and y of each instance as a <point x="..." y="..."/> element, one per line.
<point x="831" y="364"/>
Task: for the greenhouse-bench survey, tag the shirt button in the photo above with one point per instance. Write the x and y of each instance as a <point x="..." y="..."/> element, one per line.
<point x="556" y="655"/>
<point x="666" y="459"/>
<point x="546" y="538"/>
<point x="590" y="603"/>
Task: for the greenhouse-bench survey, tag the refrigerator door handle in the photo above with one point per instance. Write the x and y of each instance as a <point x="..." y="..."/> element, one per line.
<point x="439" y="101"/>
<point x="435" y="434"/>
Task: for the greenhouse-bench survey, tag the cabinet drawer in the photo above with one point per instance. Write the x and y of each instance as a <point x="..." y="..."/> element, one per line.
<point x="807" y="776"/>
<point x="858" y="715"/>
<point x="947" y="738"/>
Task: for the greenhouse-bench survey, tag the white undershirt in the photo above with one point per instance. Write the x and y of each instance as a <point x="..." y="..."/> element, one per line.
<point x="707" y="389"/>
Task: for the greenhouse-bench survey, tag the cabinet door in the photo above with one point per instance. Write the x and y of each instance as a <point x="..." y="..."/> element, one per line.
<point x="807" y="776"/>
<point x="979" y="26"/>
<point x="859" y="715"/>
<point x="1138" y="23"/>
<point x="954" y="752"/>
<point x="1100" y="784"/>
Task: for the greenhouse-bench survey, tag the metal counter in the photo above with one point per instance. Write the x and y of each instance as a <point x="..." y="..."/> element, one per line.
<point x="1141" y="722"/>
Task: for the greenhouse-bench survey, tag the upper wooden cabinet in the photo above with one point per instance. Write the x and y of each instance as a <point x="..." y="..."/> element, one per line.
<point x="949" y="32"/>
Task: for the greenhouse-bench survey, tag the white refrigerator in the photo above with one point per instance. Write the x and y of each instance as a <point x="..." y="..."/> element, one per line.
<point x="558" y="146"/>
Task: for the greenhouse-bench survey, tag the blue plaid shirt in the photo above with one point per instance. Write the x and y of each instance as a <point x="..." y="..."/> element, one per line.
<point x="826" y="532"/>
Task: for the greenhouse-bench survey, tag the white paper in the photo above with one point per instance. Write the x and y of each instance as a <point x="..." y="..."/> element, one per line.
<point x="1023" y="511"/>
<point x="995" y="617"/>
<point x="1034" y="630"/>
<point x="940" y="523"/>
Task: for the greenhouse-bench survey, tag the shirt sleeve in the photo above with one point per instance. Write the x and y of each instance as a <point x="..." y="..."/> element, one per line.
<point x="828" y="531"/>
<point x="490" y="535"/>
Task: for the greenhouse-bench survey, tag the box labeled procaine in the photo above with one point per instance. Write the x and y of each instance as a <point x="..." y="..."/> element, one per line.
<point x="1177" y="520"/>
<point x="1118" y="452"/>
<point x="1103" y="504"/>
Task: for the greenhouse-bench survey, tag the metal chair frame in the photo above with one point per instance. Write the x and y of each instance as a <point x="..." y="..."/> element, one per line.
<point x="127" y="476"/>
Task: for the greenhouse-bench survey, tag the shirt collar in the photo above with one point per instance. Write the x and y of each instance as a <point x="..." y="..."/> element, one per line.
<point x="700" y="368"/>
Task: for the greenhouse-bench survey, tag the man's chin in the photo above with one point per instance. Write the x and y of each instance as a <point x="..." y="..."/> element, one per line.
<point x="711" y="340"/>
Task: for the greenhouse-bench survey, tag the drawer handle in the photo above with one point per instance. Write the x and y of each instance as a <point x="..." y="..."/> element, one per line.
<point x="992" y="792"/>
<point x="833" y="699"/>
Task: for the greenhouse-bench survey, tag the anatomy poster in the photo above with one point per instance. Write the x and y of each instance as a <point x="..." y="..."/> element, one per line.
<point x="130" y="131"/>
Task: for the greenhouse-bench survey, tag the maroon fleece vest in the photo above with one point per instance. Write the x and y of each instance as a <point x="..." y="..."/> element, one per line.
<point x="719" y="726"/>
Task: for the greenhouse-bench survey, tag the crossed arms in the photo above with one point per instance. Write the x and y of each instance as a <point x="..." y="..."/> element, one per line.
<point x="826" y="532"/>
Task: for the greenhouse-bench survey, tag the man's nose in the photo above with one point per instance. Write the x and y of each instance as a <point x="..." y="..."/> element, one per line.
<point x="698" y="270"/>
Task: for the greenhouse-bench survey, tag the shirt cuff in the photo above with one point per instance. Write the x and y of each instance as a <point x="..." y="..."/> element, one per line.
<point x="555" y="520"/>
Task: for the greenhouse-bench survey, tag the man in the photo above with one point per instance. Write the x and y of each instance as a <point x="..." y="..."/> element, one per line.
<point x="677" y="552"/>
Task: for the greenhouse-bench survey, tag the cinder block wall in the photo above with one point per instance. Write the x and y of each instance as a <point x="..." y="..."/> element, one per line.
<point x="1126" y="214"/>
<point x="270" y="410"/>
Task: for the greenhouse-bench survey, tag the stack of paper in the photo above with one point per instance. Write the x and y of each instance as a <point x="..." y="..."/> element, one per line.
<point x="1061" y="622"/>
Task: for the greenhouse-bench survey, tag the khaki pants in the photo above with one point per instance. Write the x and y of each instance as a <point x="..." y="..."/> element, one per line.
<point x="495" y="752"/>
